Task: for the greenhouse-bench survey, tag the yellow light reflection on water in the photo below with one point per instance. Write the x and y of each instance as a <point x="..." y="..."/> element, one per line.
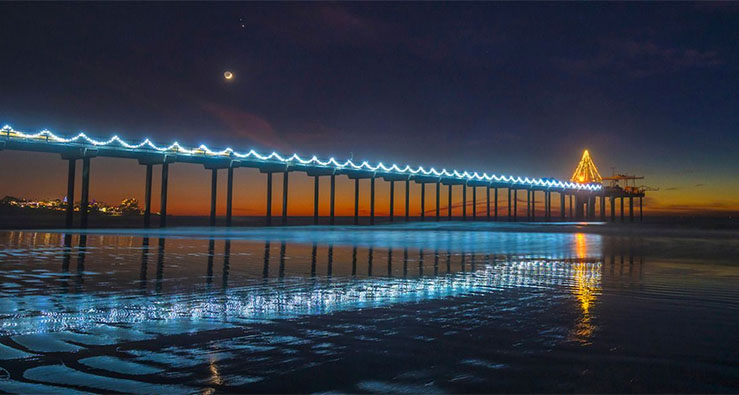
<point x="586" y="288"/>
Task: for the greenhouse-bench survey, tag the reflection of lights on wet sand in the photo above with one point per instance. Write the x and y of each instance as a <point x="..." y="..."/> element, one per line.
<point x="249" y="303"/>
<point x="586" y="288"/>
<point x="215" y="375"/>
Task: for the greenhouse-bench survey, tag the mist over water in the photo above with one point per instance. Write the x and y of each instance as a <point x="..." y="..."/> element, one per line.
<point x="396" y="308"/>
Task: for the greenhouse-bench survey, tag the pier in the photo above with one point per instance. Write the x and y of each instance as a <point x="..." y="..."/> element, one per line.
<point x="590" y="196"/>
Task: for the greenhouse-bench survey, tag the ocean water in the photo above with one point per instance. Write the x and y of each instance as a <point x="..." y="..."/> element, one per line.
<point x="405" y="308"/>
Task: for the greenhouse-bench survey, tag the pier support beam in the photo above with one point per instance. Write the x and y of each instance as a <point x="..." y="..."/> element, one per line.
<point x="495" y="199"/>
<point x="269" y="199"/>
<point x="487" y="200"/>
<point x="602" y="207"/>
<point x="631" y="209"/>
<point x="163" y="196"/>
<point x="533" y="204"/>
<point x="464" y="202"/>
<point x="392" y="199"/>
<point x="510" y="207"/>
<point x="622" y="209"/>
<point x="213" y="192"/>
<point x="438" y="190"/>
<point x="423" y="201"/>
<point x="147" y="196"/>
<point x="372" y="200"/>
<point x="315" y="199"/>
<point x="407" y="199"/>
<point x="562" y="205"/>
<point x="593" y="211"/>
<point x="571" y="216"/>
<point x="449" y="203"/>
<point x="548" y="204"/>
<point x="229" y="195"/>
<point x="474" y="203"/>
<point x="528" y="205"/>
<point x="70" y="192"/>
<point x="515" y="205"/>
<point x="613" y="209"/>
<point x="284" y="197"/>
<point x="333" y="199"/>
<point x="356" y="201"/>
<point x="85" y="198"/>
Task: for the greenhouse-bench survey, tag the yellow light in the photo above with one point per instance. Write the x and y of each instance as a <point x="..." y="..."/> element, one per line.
<point x="586" y="172"/>
<point x="228" y="75"/>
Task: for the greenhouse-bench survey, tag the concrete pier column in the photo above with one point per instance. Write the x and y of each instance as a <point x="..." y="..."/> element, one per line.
<point x="592" y="200"/>
<point x="528" y="204"/>
<point x="163" y="202"/>
<point x="213" y="191"/>
<point x="495" y="199"/>
<point x="449" y="203"/>
<point x="464" y="202"/>
<point x="533" y="204"/>
<point x="356" y="201"/>
<point x="85" y="198"/>
<point x="372" y="200"/>
<point x="284" y="198"/>
<point x="549" y="205"/>
<point x="407" y="199"/>
<point x="269" y="199"/>
<point x="332" y="199"/>
<point x="546" y="205"/>
<point x="571" y="216"/>
<point x="613" y="209"/>
<point x="487" y="200"/>
<point x="641" y="216"/>
<point x="315" y="199"/>
<point x="631" y="209"/>
<point x="147" y="196"/>
<point x="510" y="207"/>
<point x="392" y="199"/>
<point x="515" y="205"/>
<point x="423" y="201"/>
<point x="438" y="189"/>
<point x="602" y="207"/>
<point x="562" y="205"/>
<point x="622" y="209"/>
<point x="474" y="203"/>
<point x="229" y="195"/>
<point x="70" y="192"/>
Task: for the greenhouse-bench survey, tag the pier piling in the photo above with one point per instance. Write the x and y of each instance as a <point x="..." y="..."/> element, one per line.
<point x="163" y="202"/>
<point x="70" y="193"/>
<point x="85" y="198"/>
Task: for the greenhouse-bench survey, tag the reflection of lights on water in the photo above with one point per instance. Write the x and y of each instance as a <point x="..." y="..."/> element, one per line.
<point x="581" y="247"/>
<point x="586" y="287"/>
<point x="282" y="300"/>
<point x="215" y="375"/>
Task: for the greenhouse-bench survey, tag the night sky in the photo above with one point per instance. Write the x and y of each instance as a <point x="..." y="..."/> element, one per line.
<point x="512" y="88"/>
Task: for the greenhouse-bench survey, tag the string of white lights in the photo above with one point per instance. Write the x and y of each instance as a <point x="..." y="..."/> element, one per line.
<point x="176" y="148"/>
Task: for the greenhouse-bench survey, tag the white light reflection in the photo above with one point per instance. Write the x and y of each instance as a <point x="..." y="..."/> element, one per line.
<point x="272" y="301"/>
